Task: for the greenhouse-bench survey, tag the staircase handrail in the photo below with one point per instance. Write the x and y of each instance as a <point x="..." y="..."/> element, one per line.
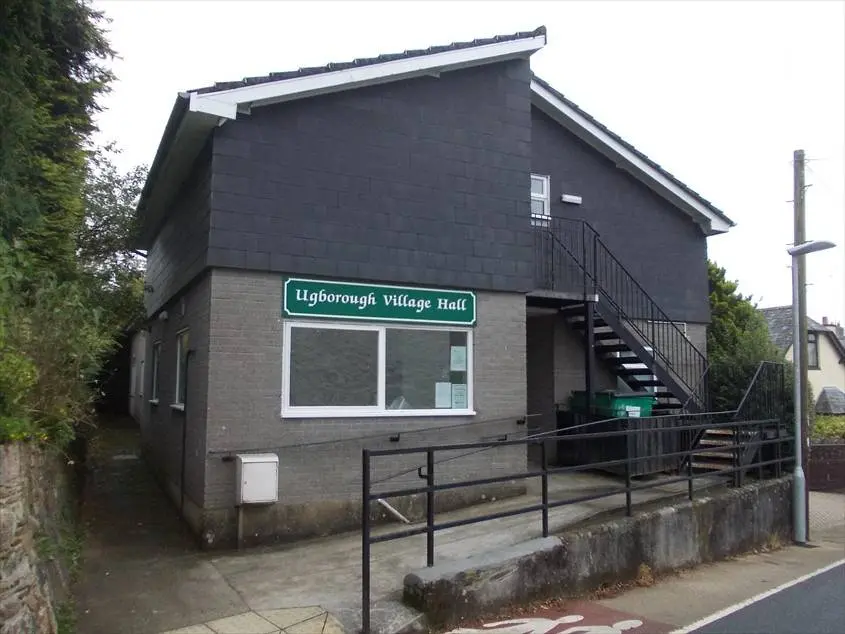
<point x="657" y="313"/>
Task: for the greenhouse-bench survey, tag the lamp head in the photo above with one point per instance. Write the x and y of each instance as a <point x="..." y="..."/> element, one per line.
<point x="811" y="246"/>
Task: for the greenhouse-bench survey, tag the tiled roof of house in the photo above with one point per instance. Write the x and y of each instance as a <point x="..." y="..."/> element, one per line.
<point x="779" y="320"/>
<point x="831" y="401"/>
<point x="631" y="148"/>
<point x="368" y="61"/>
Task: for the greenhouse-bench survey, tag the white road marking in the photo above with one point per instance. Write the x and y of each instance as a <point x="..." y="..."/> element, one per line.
<point x="763" y="595"/>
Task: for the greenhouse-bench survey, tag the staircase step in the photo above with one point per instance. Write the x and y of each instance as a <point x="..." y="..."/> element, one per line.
<point x="715" y="455"/>
<point x="633" y="372"/>
<point x="627" y="360"/>
<point x="637" y="383"/>
<point x="602" y="335"/>
<point x="579" y="324"/>
<point x="614" y="347"/>
<point x="572" y="309"/>
<point x="714" y="442"/>
<point x="703" y="465"/>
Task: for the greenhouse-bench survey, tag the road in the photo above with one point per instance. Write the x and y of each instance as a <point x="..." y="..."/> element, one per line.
<point x="813" y="605"/>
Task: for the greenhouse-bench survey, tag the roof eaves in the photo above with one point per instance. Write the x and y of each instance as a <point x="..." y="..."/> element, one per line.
<point x="177" y="114"/>
<point x="539" y="32"/>
<point x="651" y="163"/>
<point x="213" y="108"/>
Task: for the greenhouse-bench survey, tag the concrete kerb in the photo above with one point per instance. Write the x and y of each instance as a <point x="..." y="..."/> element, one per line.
<point x="581" y="560"/>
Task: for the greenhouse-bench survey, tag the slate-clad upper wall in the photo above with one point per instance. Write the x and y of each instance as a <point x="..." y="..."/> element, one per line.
<point x="178" y="253"/>
<point x="661" y="247"/>
<point x="423" y="181"/>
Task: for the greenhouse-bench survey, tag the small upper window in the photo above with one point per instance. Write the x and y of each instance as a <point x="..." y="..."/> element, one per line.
<point x="540" y="201"/>
<point x="813" y="351"/>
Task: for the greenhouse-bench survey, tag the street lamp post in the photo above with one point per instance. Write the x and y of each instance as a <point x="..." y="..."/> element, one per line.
<point x="799" y="500"/>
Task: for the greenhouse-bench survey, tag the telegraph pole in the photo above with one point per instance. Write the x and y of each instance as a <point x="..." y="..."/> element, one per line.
<point x="801" y="371"/>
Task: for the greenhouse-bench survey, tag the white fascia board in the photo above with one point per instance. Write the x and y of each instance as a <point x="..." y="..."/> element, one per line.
<point x="207" y="104"/>
<point x="225" y="103"/>
<point x="716" y="222"/>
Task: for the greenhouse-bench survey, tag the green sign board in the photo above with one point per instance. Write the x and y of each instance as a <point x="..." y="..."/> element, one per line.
<point x="348" y="300"/>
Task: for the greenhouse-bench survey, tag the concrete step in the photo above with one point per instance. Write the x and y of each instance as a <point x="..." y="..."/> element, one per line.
<point x="716" y="442"/>
<point x="719" y="455"/>
<point x="706" y="465"/>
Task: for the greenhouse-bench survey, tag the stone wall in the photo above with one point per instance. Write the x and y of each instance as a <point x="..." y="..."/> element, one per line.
<point x="36" y="493"/>
<point x="584" y="559"/>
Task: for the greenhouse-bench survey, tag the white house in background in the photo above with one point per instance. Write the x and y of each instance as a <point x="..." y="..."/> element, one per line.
<point x="825" y="347"/>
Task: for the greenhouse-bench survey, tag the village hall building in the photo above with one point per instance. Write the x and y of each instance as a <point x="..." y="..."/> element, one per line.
<point x="428" y="247"/>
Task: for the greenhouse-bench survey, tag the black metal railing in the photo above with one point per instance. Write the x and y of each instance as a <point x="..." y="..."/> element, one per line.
<point x="684" y="424"/>
<point x="765" y="397"/>
<point x="571" y="257"/>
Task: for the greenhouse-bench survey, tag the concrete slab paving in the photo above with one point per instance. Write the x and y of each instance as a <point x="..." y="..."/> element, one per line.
<point x="150" y="596"/>
<point x="246" y="623"/>
<point x="192" y="629"/>
<point x="292" y="616"/>
<point x="328" y="571"/>
<point x="323" y="624"/>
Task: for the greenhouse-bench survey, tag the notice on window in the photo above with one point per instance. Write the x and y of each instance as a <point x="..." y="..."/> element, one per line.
<point x="458" y="361"/>
<point x="443" y="395"/>
<point x="459" y="396"/>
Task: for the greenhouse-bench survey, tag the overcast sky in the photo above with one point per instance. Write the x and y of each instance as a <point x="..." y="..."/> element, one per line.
<point x="719" y="93"/>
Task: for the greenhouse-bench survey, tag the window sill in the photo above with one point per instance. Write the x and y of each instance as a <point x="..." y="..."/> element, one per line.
<point x="153" y="401"/>
<point x="179" y="407"/>
<point x="406" y="413"/>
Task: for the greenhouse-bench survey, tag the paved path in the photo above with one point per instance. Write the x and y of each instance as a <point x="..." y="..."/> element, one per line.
<point x="142" y="573"/>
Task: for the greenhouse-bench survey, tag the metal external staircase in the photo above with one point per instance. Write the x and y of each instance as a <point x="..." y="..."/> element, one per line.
<point x="641" y="345"/>
<point x="623" y="362"/>
<point x="630" y="333"/>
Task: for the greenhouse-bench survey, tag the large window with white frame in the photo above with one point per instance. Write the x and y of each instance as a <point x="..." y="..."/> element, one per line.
<point x="333" y="369"/>
<point x="540" y="200"/>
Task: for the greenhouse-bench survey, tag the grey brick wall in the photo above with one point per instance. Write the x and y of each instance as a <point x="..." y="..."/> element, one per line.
<point x="664" y="249"/>
<point x="162" y="426"/>
<point x="320" y="459"/>
<point x="178" y="252"/>
<point x="424" y="181"/>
